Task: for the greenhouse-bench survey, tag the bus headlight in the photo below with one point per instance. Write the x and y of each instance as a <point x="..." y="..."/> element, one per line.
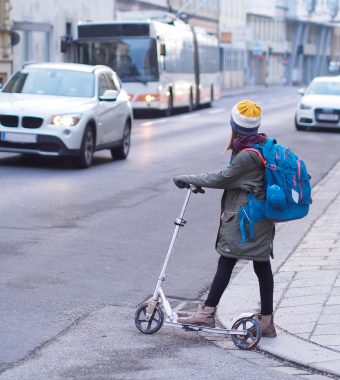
<point x="148" y="98"/>
<point x="68" y="120"/>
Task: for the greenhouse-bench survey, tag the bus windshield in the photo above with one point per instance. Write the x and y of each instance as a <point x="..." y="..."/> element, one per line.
<point x="133" y="58"/>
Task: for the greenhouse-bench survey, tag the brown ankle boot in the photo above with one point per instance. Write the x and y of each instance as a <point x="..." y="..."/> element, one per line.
<point x="205" y="316"/>
<point x="267" y="325"/>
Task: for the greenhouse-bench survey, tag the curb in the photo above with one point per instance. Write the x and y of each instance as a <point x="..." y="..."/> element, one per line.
<point x="242" y="294"/>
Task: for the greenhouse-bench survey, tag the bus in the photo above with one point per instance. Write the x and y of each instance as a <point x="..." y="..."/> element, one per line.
<point x="163" y="63"/>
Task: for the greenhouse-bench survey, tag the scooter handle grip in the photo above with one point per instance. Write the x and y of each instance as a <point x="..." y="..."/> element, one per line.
<point x="197" y="189"/>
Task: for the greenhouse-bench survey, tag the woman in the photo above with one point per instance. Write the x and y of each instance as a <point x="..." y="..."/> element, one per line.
<point x="244" y="175"/>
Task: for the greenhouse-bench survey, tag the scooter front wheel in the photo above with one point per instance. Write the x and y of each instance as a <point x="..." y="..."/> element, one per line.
<point x="254" y="333"/>
<point x="148" y="326"/>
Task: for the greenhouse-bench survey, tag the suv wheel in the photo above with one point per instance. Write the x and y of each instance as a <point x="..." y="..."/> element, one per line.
<point x="84" y="160"/>
<point x="122" y="151"/>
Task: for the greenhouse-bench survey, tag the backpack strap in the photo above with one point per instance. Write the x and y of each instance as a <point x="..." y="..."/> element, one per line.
<point x="258" y="153"/>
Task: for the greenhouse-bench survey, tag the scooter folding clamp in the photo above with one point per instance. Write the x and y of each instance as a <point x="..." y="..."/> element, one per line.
<point x="180" y="222"/>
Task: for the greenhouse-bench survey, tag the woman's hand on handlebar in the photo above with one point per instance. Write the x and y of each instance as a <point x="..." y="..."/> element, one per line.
<point x="178" y="181"/>
<point x="181" y="184"/>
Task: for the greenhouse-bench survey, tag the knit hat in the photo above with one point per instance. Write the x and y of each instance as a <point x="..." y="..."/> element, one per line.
<point x="246" y="117"/>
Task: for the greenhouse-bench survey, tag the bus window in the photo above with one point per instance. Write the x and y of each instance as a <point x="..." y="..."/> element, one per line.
<point x="134" y="59"/>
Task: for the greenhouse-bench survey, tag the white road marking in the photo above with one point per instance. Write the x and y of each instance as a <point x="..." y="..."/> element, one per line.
<point x="151" y="123"/>
<point x="147" y="124"/>
<point x="216" y="111"/>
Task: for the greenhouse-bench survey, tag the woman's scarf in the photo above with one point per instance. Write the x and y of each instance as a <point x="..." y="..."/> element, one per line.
<point x="242" y="142"/>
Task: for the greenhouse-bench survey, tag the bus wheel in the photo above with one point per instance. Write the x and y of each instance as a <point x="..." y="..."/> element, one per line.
<point x="191" y="102"/>
<point x="170" y="109"/>
<point x="211" y="95"/>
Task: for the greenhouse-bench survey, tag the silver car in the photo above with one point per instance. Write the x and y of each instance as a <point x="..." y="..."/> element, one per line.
<point x="65" y="109"/>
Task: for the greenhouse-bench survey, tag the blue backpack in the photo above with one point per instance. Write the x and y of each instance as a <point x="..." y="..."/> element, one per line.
<point x="288" y="189"/>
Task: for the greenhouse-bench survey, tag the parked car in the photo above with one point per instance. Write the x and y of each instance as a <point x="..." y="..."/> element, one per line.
<point x="65" y="109"/>
<point x="319" y="106"/>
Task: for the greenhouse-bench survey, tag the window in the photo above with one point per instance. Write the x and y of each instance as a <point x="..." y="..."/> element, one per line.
<point x="103" y="84"/>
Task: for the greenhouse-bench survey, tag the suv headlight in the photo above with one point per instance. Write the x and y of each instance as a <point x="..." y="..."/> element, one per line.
<point x="304" y="106"/>
<point x="68" y="120"/>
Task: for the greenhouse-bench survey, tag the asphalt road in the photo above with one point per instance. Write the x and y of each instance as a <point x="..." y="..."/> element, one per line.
<point x="75" y="240"/>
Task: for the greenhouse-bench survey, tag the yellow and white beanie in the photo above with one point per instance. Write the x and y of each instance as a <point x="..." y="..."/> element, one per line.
<point x="246" y="117"/>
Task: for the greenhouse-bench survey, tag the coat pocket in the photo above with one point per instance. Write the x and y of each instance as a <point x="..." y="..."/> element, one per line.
<point x="229" y="236"/>
<point x="227" y="216"/>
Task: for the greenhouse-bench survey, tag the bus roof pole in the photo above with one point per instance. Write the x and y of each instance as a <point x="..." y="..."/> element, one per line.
<point x="199" y="6"/>
<point x="184" y="7"/>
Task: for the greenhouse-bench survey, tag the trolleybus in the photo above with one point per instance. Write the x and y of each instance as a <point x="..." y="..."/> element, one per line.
<point x="164" y="63"/>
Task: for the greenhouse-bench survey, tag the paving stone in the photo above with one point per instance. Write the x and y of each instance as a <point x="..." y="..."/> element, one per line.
<point x="297" y="318"/>
<point x="326" y="340"/>
<point x="316" y="244"/>
<point x="296" y="268"/>
<point x="299" y="328"/>
<point x="309" y="253"/>
<point x="332" y="309"/>
<point x="299" y="310"/>
<point x="318" y="277"/>
<point x="333" y="300"/>
<point x="312" y="290"/>
<point x="327" y="329"/>
<point x="283" y="277"/>
<point x="306" y="282"/>
<point x="308" y="262"/>
<point x="332" y="366"/>
<point x="328" y="318"/>
<point x="336" y="291"/>
<point x="301" y="301"/>
<point x="327" y="267"/>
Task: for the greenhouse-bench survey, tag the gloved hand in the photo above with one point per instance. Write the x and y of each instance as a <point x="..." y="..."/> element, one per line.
<point x="179" y="181"/>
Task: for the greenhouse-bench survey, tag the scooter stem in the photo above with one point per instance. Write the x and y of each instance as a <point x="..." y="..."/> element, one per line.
<point x="173" y="240"/>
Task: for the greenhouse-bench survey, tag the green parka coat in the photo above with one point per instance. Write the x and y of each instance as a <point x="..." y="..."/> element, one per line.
<point x="245" y="174"/>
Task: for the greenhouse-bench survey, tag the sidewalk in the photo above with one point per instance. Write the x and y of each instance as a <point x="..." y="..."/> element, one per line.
<point x="307" y="285"/>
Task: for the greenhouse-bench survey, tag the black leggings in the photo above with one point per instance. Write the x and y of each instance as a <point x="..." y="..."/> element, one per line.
<point x="221" y="280"/>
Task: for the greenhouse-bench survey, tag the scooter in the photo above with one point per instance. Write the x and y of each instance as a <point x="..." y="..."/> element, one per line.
<point x="150" y="316"/>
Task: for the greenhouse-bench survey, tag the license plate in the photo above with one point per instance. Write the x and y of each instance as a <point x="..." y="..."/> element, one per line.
<point x="18" y="137"/>
<point x="328" y="117"/>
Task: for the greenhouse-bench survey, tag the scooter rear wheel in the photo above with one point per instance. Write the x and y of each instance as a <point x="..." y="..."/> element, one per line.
<point x="249" y="341"/>
<point x="153" y="324"/>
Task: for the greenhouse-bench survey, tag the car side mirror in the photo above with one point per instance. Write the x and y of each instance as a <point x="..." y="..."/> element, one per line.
<point x="109" y="96"/>
<point x="301" y="91"/>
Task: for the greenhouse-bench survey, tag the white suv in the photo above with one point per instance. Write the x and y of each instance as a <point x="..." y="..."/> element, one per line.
<point x="65" y="109"/>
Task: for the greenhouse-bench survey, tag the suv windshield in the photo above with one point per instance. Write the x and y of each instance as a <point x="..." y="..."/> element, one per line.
<point x="45" y="81"/>
<point x="324" y="88"/>
<point x="134" y="59"/>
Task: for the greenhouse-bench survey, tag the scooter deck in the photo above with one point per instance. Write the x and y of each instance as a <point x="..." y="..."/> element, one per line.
<point x="214" y="330"/>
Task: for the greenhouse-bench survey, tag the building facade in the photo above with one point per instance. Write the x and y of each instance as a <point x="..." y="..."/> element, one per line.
<point x="196" y="12"/>
<point x="45" y="30"/>
<point x="262" y="41"/>
<point x="266" y="51"/>
<point x="234" y="34"/>
<point x="6" y="59"/>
